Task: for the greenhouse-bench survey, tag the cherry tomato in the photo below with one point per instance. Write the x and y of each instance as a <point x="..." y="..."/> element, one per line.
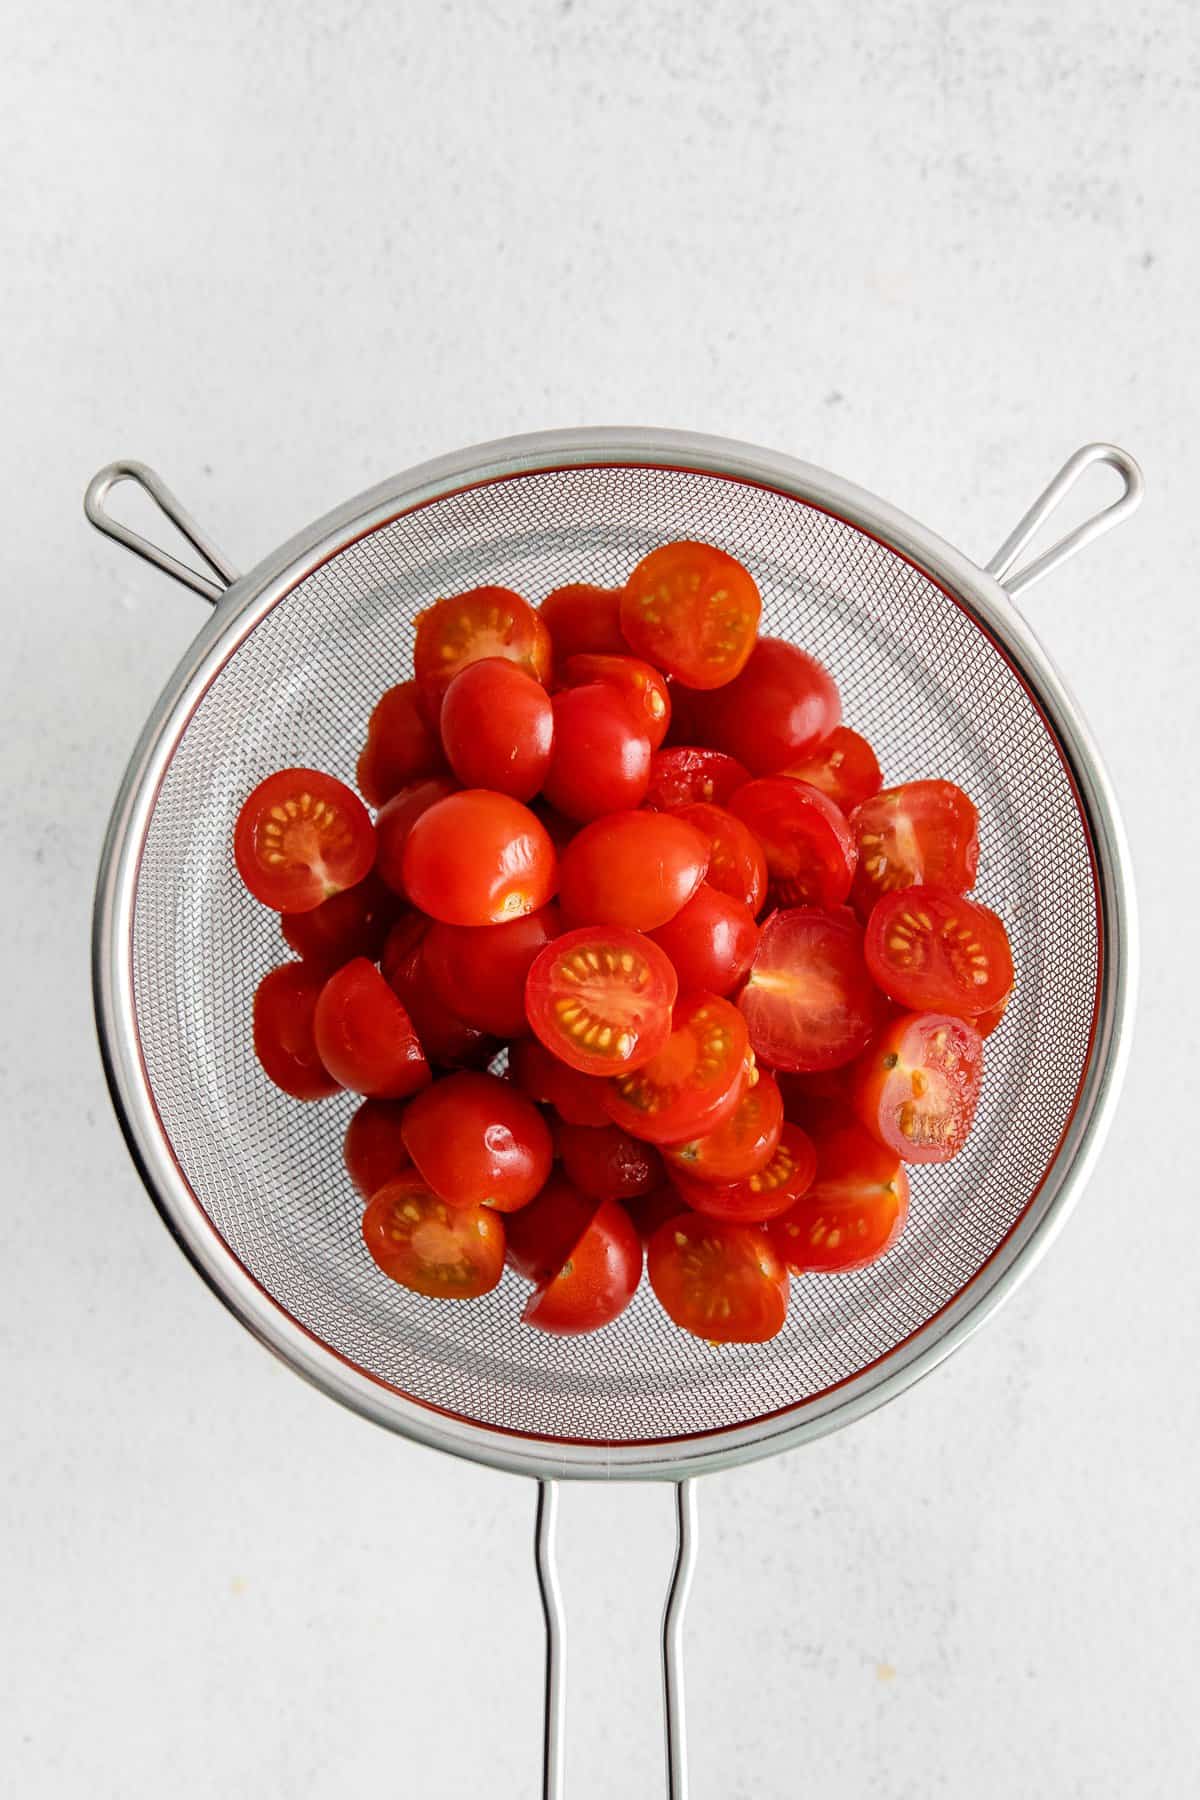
<point x="853" y="1212"/>
<point x="300" y="837"/>
<point x="373" y="1149"/>
<point x="478" y="858"/>
<point x="843" y="767"/>
<point x="284" y="1003"/>
<point x="917" y="1087"/>
<point x="721" y="1281"/>
<point x="542" y="1235"/>
<point x="770" y="1191"/>
<point x="649" y="1211"/>
<point x="484" y="622"/>
<point x="600" y="999"/>
<point x="692" y="610"/>
<point x="635" y="869"/>
<point x="446" y="1040"/>
<point x="931" y="950"/>
<point x="364" y="1036"/>
<point x="596" y="1282"/>
<point x="601" y="756"/>
<point x="711" y="941"/>
<point x="741" y="1146"/>
<point x="353" y="923"/>
<point x="923" y="832"/>
<point x="583" y="620"/>
<point x="479" y="1141"/>
<point x="684" y="774"/>
<point x="808" y="845"/>
<point x="642" y="688"/>
<point x="396" y="820"/>
<point x="480" y="970"/>
<point x="497" y="726"/>
<point x="693" y="1083"/>
<point x="400" y="746"/>
<point x="608" y="1163"/>
<point x="576" y="1098"/>
<point x="736" y="864"/>
<point x="447" y="1252"/>
<point x="781" y="705"/>
<point x="809" y="1000"/>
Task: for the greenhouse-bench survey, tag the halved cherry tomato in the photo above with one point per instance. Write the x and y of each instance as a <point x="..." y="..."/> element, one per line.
<point x="497" y="726"/>
<point x="693" y="610"/>
<point x="609" y="1164"/>
<point x="397" y="818"/>
<point x="917" y="1087"/>
<point x="447" y="1252"/>
<point x="736" y="864"/>
<point x="649" y="1211"/>
<point x="686" y="773"/>
<point x="353" y="923"/>
<point x="596" y="1282"/>
<point x="284" y="1043"/>
<point x="711" y="941"/>
<point x="600" y="761"/>
<point x="809" y="1000"/>
<point x="542" y="1235"/>
<point x="600" y="999"/>
<point x="300" y="837"/>
<point x="808" y="845"/>
<point x="769" y="1192"/>
<point x="446" y="1040"/>
<point x="480" y="971"/>
<point x="479" y="1141"/>
<point x="364" y="1036"/>
<point x="576" y="1098"/>
<point x="373" y="1149"/>
<point x="922" y="832"/>
<point x="400" y="748"/>
<point x="853" y="1212"/>
<point x="478" y="858"/>
<point x="485" y="621"/>
<point x="843" y="767"/>
<point x="642" y="688"/>
<point x="635" y="869"/>
<point x="583" y="620"/>
<point x="741" y="1146"/>
<point x="693" y="1083"/>
<point x="932" y="950"/>
<point x="781" y="705"/>
<point x="720" y="1281"/>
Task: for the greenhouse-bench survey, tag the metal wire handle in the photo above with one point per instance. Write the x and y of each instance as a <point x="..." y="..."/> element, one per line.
<point x="1027" y="528"/>
<point x="152" y="483"/>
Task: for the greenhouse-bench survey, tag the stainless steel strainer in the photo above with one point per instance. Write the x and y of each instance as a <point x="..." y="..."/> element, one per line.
<point x="935" y="664"/>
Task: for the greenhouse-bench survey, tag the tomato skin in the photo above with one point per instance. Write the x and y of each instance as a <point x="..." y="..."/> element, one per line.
<point x="541" y="1236"/>
<point x="852" y="1213"/>
<point x="769" y="1192"/>
<point x="600" y="761"/>
<point x="583" y="620"/>
<point x="693" y="1083"/>
<point x="364" y="1036"/>
<point x="632" y="869"/>
<point x="400" y="747"/>
<point x="924" y="832"/>
<point x="932" y="950"/>
<point x="285" y="1002"/>
<point x="447" y="1252"/>
<point x="576" y="1098"/>
<point x="711" y="941"/>
<point x="600" y="999"/>
<point x="809" y="1001"/>
<point x="643" y="689"/>
<point x="302" y="836"/>
<point x="446" y="1040"/>
<point x="809" y="847"/>
<point x="917" y="1087"/>
<point x="478" y="1141"/>
<point x="467" y="628"/>
<point x="478" y="858"/>
<point x="782" y="704"/>
<point x="738" y="1148"/>
<point x="373" y="1149"/>
<point x="353" y="923"/>
<point x="687" y="773"/>
<point x="480" y="971"/>
<point x="497" y="727"/>
<point x="397" y="818"/>
<point x="608" y="1164"/>
<point x="736" y="863"/>
<point x="596" y="1282"/>
<point x="843" y="767"/>
<point x="721" y="1281"/>
<point x="692" y="610"/>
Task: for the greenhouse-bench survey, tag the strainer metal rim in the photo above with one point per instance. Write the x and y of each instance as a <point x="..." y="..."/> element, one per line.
<point x="250" y="598"/>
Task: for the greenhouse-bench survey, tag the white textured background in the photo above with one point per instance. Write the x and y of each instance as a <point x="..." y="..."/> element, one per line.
<point x="281" y="251"/>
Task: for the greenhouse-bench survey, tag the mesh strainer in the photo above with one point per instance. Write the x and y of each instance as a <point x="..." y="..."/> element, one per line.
<point x="935" y="665"/>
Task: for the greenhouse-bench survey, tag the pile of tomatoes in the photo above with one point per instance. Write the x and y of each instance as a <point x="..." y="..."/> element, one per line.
<point x="625" y="851"/>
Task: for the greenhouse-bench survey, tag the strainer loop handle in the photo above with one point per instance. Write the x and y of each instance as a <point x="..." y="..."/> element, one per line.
<point x="152" y="483"/>
<point x="1003" y="564"/>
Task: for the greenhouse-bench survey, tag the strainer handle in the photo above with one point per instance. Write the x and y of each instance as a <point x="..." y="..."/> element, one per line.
<point x="1003" y="564"/>
<point x="152" y="483"/>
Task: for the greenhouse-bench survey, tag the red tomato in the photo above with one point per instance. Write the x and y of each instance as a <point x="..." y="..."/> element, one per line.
<point x="447" y="1252"/>
<point x="396" y="820"/>
<point x="284" y="1003"/>
<point x="364" y="1036"/>
<point x="601" y="757"/>
<point x="541" y="1236"/>
<point x="635" y="869"/>
<point x="721" y="1281"/>
<point x="741" y="1146"/>
<point x="642" y="688"/>
<point x="985" y="1023"/>
<point x="596" y="1282"/>
<point x="818" y="1101"/>
<point x="931" y="950"/>
<point x="917" y="1087"/>
<point x="809" y="1001"/>
<point x="480" y="970"/>
<point x="479" y="1141"/>
<point x="300" y="837"/>
<point x="711" y="941"/>
<point x="446" y="1040"/>
<point x="484" y="622"/>
<point x="853" y="1212"/>
<point x="844" y="768"/>
<point x="579" y="1099"/>
<point x="772" y="1190"/>
<point x="693" y="1083"/>
<point x="373" y="1149"/>
<point x="608" y="1163"/>
<point x="561" y="830"/>
<point x="353" y="923"/>
<point x="583" y="620"/>
<point x="781" y="705"/>
<point x="497" y="726"/>
<point x="685" y="774"/>
<point x="808" y="845"/>
<point x="650" y="1211"/>
<point x="478" y="858"/>
<point x="600" y="999"/>
<point x="692" y="610"/>
<point x="924" y="832"/>
<point x="736" y="864"/>
<point x="400" y="746"/>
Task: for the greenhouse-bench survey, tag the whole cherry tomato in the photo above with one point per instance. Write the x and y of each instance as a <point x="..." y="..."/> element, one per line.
<point x="780" y="707"/>
<point x="353" y="923"/>
<point x="642" y="688"/>
<point x="448" y="1042"/>
<point x="497" y="727"/>
<point x="400" y="748"/>
<point x="480" y="971"/>
<point x="608" y="1163"/>
<point x="397" y="818"/>
<point x="711" y="941"/>
<point x="631" y="869"/>
<point x="373" y="1148"/>
<point x="600" y="761"/>
<point x="478" y="858"/>
<point x="478" y="1141"/>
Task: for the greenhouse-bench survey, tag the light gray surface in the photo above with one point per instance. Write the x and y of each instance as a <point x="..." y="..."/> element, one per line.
<point x="281" y="252"/>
